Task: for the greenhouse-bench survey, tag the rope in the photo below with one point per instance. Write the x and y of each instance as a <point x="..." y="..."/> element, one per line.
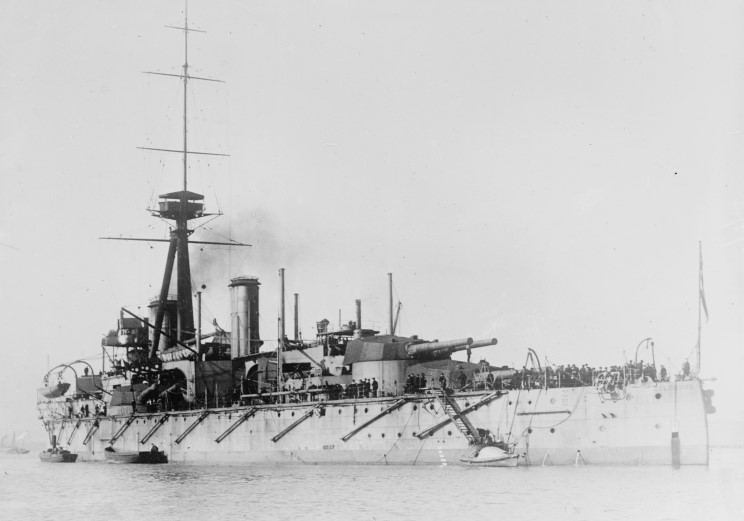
<point x="384" y="456"/>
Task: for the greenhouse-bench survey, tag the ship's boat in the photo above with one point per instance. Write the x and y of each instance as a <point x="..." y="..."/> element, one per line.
<point x="55" y="390"/>
<point x="128" y="457"/>
<point x="57" y="455"/>
<point x="489" y="455"/>
<point x="351" y="394"/>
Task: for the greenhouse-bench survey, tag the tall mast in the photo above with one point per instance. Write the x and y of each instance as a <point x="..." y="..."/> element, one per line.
<point x="180" y="207"/>
<point x="185" y="91"/>
<point x="390" y="306"/>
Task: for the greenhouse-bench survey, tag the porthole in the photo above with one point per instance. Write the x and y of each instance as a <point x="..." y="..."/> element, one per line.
<point x="552" y="430"/>
<point x="278" y="413"/>
<point x="365" y="409"/>
<point x="529" y="402"/>
<point x="369" y="435"/>
<point x="292" y="413"/>
<point x="184" y="419"/>
<point x="449" y="433"/>
<point x="657" y="396"/>
<point x="510" y="403"/>
<point x="431" y="406"/>
<point x="339" y="411"/>
<point x="383" y="434"/>
<point x="529" y="430"/>
<point x="602" y="428"/>
<point x="415" y="407"/>
<point x="229" y="416"/>
<point x="399" y="435"/>
<point x="467" y="404"/>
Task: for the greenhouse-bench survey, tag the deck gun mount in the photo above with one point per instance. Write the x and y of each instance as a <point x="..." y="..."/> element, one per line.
<point x="387" y="358"/>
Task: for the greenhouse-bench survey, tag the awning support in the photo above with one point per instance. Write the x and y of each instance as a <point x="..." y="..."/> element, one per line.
<point x="191" y="427"/>
<point x="250" y="412"/>
<point x="295" y="424"/>
<point x="396" y="405"/>
<point x="155" y="427"/>
<point x="121" y="430"/>
<point x="92" y="430"/>
<point x="74" y="430"/>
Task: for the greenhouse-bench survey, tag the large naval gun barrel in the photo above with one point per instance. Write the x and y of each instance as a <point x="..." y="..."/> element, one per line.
<point x="430" y="347"/>
<point x="476" y="343"/>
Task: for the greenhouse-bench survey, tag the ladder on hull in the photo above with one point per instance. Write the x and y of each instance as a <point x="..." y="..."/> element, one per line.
<point x="456" y="415"/>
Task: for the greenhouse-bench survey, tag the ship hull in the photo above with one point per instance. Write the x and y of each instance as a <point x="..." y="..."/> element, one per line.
<point x="562" y="426"/>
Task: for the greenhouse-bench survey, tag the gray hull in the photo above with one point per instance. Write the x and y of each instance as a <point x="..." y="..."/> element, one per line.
<point x="564" y="426"/>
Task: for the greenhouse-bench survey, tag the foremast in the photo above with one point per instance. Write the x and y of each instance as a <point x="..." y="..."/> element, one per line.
<point x="180" y="207"/>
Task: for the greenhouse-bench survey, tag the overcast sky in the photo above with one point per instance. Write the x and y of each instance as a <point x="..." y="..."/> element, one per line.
<point x="536" y="171"/>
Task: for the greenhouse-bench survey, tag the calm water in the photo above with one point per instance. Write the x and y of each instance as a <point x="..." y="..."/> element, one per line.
<point x="31" y="490"/>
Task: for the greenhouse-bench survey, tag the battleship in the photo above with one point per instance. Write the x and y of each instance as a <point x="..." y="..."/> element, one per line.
<point x="352" y="395"/>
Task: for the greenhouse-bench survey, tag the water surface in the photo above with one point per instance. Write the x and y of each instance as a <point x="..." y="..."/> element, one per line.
<point x="31" y="490"/>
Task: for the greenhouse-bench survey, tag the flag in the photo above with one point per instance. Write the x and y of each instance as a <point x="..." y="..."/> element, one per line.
<point x="702" y="288"/>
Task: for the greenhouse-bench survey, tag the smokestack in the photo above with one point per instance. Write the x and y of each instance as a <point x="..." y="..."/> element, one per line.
<point x="359" y="314"/>
<point x="297" y="316"/>
<point x="390" y="292"/>
<point x="244" y="333"/>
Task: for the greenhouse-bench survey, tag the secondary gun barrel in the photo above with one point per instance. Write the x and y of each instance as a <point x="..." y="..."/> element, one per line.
<point x="428" y="347"/>
<point x="145" y="394"/>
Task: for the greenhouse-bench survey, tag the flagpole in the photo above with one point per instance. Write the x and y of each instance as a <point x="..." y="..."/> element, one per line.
<point x="701" y="303"/>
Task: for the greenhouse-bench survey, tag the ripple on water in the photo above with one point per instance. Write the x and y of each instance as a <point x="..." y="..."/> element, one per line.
<point x="30" y="490"/>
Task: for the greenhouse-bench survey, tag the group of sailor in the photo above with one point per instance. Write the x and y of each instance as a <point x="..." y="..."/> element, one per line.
<point x="84" y="410"/>
<point x="573" y="376"/>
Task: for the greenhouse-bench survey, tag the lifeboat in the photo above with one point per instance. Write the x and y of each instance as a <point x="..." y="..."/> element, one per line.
<point x="56" y="390"/>
<point x="488" y="455"/>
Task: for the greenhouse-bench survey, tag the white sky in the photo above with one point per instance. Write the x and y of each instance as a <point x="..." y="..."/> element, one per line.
<point x="537" y="171"/>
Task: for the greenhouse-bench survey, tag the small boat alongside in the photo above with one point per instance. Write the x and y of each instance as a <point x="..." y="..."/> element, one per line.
<point x="128" y="457"/>
<point x="487" y="455"/>
<point x="57" y="455"/>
